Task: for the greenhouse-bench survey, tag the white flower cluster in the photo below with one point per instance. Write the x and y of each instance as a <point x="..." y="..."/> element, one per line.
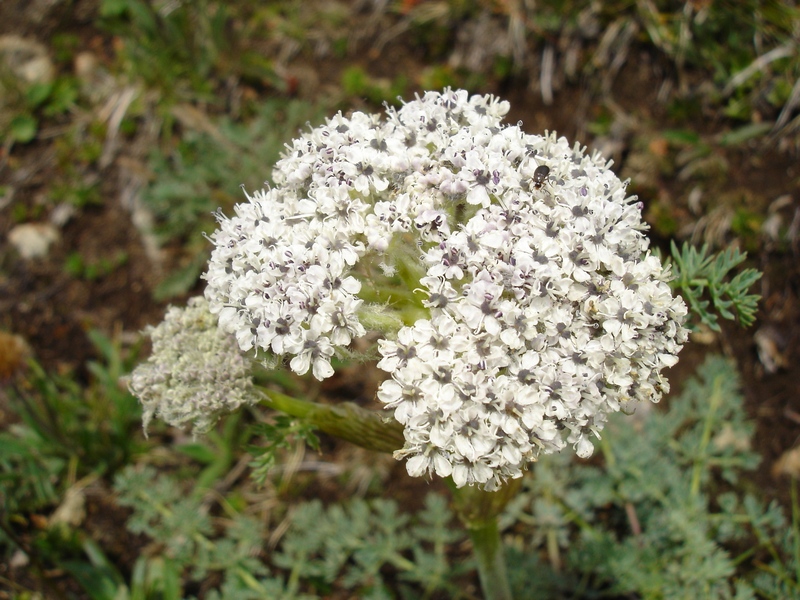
<point x="195" y="373"/>
<point x="545" y="310"/>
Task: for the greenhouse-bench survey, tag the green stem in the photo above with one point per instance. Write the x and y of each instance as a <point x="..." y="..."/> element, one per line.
<point x="478" y="511"/>
<point x="346" y="420"/>
<point x="488" y="549"/>
<point x="701" y="459"/>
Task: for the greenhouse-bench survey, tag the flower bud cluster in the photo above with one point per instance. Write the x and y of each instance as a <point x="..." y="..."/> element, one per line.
<point x="195" y="373"/>
<point x="545" y="309"/>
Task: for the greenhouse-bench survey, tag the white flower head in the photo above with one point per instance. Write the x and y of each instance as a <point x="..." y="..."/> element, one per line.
<point x="545" y="310"/>
<point x="195" y="373"/>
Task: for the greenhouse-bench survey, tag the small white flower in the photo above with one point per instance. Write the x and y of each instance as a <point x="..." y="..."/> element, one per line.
<point x="312" y="351"/>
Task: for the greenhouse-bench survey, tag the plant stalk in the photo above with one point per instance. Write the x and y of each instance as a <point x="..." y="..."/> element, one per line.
<point x="488" y="550"/>
<point x="346" y="420"/>
<point x="478" y="511"/>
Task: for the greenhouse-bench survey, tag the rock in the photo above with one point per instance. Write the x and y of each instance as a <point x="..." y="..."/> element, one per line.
<point x="33" y="240"/>
<point x="27" y="59"/>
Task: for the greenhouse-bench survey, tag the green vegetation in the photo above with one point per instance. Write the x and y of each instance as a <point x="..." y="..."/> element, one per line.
<point x="696" y="271"/>
<point x="664" y="512"/>
<point x="67" y="431"/>
<point x="76" y="266"/>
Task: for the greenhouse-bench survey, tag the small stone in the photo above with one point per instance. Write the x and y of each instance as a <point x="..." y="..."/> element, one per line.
<point x="33" y="240"/>
<point x="27" y="59"/>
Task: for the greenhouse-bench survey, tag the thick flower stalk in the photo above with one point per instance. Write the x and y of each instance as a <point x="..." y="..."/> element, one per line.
<point x="537" y="309"/>
<point x="195" y="373"/>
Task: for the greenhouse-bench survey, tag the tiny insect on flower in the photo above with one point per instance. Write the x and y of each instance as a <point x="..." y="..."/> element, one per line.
<point x="539" y="176"/>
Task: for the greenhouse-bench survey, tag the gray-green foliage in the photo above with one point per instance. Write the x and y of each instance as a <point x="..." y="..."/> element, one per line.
<point x="206" y="172"/>
<point x="346" y="545"/>
<point x="192" y="544"/>
<point x="207" y="168"/>
<point x="661" y="514"/>
<point x="354" y="542"/>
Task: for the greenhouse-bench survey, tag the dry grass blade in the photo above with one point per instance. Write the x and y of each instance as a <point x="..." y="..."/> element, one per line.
<point x="546" y="75"/>
<point x="788" y="108"/>
<point x="759" y="64"/>
<point x="114" y="112"/>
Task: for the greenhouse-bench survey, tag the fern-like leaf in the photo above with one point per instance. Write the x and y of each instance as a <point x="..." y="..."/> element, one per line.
<point x="699" y="275"/>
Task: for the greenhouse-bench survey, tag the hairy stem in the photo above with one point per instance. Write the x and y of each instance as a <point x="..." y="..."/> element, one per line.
<point x="488" y="550"/>
<point x="347" y="420"/>
<point x="478" y="511"/>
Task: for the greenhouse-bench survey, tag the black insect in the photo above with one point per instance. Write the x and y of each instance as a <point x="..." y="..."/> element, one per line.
<point x="539" y="175"/>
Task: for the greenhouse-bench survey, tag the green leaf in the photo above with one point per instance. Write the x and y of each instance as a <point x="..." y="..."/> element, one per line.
<point x="23" y="128"/>
<point x="64" y="95"/>
<point x="697" y="274"/>
<point x="202" y="453"/>
<point x="99" y="577"/>
<point x="278" y="436"/>
<point x="113" y="8"/>
<point x="745" y="133"/>
<point x="681" y="136"/>
<point x="38" y="93"/>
